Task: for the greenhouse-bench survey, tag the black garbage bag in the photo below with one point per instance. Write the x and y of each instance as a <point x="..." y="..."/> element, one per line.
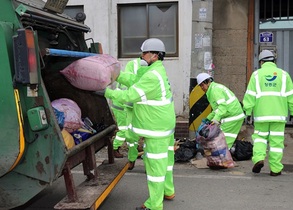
<point x="186" y="151"/>
<point x="241" y="150"/>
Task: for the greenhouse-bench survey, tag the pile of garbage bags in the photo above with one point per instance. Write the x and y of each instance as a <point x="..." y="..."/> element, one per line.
<point x="74" y="128"/>
<point x="91" y="73"/>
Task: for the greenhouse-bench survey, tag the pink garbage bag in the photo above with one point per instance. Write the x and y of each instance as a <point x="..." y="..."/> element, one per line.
<point x="93" y="73"/>
<point x="72" y="113"/>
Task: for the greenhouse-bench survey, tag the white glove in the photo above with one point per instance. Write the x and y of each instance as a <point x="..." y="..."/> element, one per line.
<point x="215" y="122"/>
<point x="114" y="76"/>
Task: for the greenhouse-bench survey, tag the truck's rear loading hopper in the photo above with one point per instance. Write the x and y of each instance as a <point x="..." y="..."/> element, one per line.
<point x="45" y="156"/>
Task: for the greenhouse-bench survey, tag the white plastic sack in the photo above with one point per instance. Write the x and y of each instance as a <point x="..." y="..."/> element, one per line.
<point x="72" y="113"/>
<point x="92" y="73"/>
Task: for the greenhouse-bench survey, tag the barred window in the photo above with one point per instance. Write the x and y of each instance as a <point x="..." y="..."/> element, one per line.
<point x="275" y="10"/>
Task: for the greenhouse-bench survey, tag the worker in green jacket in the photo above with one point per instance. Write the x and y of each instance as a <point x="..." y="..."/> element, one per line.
<point x="226" y="108"/>
<point x="153" y="119"/>
<point x="123" y="114"/>
<point x="268" y="98"/>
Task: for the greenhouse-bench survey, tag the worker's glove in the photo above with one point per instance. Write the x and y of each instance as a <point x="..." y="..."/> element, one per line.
<point x="114" y="76"/>
<point x="100" y="92"/>
<point x="216" y="122"/>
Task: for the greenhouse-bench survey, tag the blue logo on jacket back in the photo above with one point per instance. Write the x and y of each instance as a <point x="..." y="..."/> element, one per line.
<point x="271" y="78"/>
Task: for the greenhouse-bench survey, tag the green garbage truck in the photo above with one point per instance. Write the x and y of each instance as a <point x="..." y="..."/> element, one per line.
<point x="33" y="153"/>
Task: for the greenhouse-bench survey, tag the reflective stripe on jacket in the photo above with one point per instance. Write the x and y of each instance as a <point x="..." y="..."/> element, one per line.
<point x="269" y="94"/>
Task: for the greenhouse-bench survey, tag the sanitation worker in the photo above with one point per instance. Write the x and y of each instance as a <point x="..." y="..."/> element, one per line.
<point x="123" y="115"/>
<point x="268" y="98"/>
<point x="120" y="116"/>
<point x="153" y="119"/>
<point x="226" y="108"/>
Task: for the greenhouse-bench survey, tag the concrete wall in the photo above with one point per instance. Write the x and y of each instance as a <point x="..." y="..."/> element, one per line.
<point x="202" y="30"/>
<point x="230" y="44"/>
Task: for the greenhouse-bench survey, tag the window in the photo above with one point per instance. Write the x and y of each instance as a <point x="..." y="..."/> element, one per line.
<point x="138" y="22"/>
<point x="275" y="10"/>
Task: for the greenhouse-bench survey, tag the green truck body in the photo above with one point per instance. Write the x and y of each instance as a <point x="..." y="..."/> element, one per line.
<point x="33" y="154"/>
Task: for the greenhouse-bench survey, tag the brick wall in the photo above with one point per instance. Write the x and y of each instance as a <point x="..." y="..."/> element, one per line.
<point x="182" y="129"/>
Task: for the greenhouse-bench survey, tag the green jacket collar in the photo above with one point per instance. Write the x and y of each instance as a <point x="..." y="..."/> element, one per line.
<point x="210" y="88"/>
<point x="268" y="65"/>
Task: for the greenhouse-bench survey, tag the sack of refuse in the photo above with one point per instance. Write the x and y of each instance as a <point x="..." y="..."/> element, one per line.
<point x="92" y="73"/>
<point x="241" y="150"/>
<point x="68" y="139"/>
<point x="213" y="140"/>
<point x="60" y="118"/>
<point x="81" y="135"/>
<point x="72" y="113"/>
<point x="186" y="151"/>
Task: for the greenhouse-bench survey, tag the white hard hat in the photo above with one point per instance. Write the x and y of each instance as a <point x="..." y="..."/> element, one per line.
<point x="202" y="77"/>
<point x="153" y="44"/>
<point x="266" y="55"/>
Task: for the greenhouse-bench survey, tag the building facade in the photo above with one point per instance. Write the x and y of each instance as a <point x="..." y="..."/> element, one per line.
<point x="221" y="37"/>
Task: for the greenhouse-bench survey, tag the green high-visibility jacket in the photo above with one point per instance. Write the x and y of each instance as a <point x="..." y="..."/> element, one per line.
<point x="131" y="68"/>
<point x="153" y="105"/>
<point x="225" y="105"/>
<point x="269" y="94"/>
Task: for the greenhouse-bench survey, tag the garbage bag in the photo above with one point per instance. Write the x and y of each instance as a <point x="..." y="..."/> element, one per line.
<point x="72" y="113"/>
<point x="212" y="139"/>
<point x="60" y="118"/>
<point x="186" y="151"/>
<point x="207" y="131"/>
<point x="92" y="73"/>
<point x="241" y="150"/>
<point x="68" y="139"/>
<point x="81" y="135"/>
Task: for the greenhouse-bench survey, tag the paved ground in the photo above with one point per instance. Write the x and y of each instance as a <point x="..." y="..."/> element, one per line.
<point x="196" y="188"/>
<point x="246" y="133"/>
